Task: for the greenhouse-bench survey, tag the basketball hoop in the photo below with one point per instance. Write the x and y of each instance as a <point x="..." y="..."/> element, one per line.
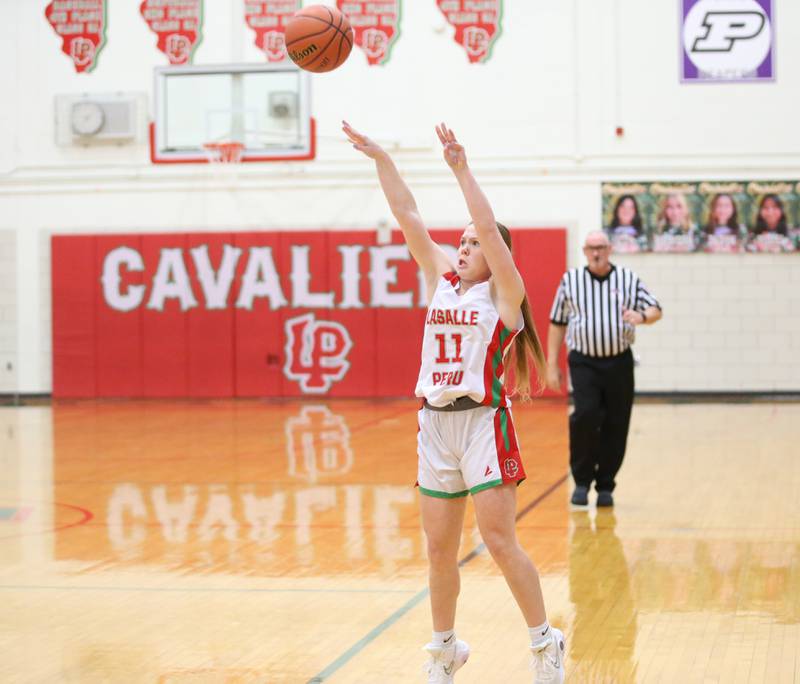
<point x="225" y="152"/>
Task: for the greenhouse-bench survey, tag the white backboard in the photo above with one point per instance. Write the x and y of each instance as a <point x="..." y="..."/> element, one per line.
<point x="265" y="107"/>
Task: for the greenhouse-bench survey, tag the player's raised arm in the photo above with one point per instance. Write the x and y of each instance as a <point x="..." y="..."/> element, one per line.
<point x="430" y="257"/>
<point x="507" y="280"/>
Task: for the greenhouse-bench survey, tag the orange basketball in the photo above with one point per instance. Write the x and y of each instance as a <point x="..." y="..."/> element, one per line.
<point x="319" y="38"/>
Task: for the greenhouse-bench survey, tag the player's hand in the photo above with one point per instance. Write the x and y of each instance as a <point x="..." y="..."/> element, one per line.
<point x="632" y="317"/>
<point x="454" y="153"/>
<point x="362" y="143"/>
<point x="553" y="378"/>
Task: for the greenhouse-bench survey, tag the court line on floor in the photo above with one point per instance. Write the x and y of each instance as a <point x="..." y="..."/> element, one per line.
<point x="88" y="516"/>
<point x="359" y="646"/>
<point x="189" y="590"/>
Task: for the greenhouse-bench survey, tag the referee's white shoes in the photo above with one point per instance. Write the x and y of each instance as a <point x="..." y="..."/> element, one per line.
<point x="445" y="660"/>
<point x="548" y="661"/>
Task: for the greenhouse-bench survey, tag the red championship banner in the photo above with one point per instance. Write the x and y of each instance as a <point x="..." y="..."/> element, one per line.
<point x="81" y="25"/>
<point x="268" y="19"/>
<point x="376" y="25"/>
<point x="178" y="24"/>
<point x="477" y="24"/>
<point x="270" y="314"/>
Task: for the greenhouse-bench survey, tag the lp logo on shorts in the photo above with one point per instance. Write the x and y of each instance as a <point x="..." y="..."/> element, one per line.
<point x="316" y="353"/>
<point x="511" y="467"/>
<point x="727" y="40"/>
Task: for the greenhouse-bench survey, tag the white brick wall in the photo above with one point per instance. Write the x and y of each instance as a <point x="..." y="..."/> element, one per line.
<point x="731" y="323"/>
<point x="8" y="311"/>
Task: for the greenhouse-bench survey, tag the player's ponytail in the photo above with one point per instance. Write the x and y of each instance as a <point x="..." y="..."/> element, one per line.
<point x="526" y="343"/>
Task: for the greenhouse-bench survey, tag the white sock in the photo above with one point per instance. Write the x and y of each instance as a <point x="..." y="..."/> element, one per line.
<point x="444" y="638"/>
<point x="541" y="635"/>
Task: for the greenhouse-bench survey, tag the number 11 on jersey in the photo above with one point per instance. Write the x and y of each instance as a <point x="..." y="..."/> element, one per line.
<point x="442" y="340"/>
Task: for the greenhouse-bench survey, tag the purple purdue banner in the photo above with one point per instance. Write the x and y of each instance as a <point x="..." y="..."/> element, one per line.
<point x="727" y="40"/>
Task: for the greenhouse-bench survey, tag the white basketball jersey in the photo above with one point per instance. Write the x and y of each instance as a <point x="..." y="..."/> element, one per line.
<point x="463" y="346"/>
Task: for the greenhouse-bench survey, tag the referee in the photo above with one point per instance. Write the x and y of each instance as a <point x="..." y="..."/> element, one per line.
<point x="597" y="309"/>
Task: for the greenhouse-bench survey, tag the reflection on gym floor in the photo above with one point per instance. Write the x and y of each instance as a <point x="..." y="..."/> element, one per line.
<point x="244" y="541"/>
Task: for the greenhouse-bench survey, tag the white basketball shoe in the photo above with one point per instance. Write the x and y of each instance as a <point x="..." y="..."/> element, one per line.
<point x="548" y="661"/>
<point x="445" y="660"/>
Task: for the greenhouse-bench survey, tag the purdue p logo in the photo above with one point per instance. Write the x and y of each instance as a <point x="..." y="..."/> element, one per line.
<point x="727" y="39"/>
<point x="723" y="29"/>
<point x="316" y="353"/>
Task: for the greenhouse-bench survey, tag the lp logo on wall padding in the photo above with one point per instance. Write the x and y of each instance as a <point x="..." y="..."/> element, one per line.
<point x="316" y="352"/>
<point x="727" y="40"/>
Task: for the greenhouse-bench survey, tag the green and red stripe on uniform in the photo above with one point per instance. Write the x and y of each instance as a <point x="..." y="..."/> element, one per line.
<point x="494" y="393"/>
<point x="505" y="438"/>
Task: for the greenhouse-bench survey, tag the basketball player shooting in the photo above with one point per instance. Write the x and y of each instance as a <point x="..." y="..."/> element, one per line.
<point x="477" y="310"/>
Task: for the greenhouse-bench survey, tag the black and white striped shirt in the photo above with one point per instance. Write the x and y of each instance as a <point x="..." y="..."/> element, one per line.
<point x="592" y="306"/>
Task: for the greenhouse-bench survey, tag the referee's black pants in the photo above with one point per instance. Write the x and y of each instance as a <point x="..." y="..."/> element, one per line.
<point x="602" y="392"/>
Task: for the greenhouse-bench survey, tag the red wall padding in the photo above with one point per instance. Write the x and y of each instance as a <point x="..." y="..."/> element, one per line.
<point x="179" y="346"/>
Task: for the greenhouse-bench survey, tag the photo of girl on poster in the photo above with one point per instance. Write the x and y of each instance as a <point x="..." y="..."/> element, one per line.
<point x="625" y="229"/>
<point x="723" y="231"/>
<point x="685" y="216"/>
<point x="675" y="231"/>
<point x="794" y="233"/>
<point x="770" y="231"/>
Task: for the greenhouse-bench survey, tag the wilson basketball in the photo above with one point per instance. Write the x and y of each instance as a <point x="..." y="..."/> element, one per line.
<point x="319" y="38"/>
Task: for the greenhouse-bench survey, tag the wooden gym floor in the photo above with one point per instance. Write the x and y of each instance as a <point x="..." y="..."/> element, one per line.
<point x="245" y="541"/>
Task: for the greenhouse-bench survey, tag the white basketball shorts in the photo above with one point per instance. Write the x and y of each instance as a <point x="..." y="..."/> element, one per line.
<point x="464" y="452"/>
